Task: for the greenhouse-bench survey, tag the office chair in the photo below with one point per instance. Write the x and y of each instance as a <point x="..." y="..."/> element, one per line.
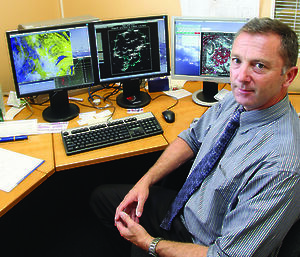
<point x="291" y="243"/>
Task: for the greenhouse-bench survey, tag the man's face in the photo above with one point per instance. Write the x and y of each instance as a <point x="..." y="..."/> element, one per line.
<point x="256" y="71"/>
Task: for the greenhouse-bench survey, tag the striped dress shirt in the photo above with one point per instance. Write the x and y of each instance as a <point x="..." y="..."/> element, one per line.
<point x="250" y="200"/>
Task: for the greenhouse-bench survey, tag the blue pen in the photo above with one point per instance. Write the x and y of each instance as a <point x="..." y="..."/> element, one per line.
<point x="9" y="139"/>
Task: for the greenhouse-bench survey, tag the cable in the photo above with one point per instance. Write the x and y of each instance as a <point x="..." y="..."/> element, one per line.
<point x="116" y="89"/>
<point x="93" y="97"/>
<point x="28" y="106"/>
<point x="170" y="107"/>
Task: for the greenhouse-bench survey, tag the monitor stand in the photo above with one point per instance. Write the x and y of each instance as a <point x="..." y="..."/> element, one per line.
<point x="132" y="97"/>
<point x="60" y="108"/>
<point x="206" y="95"/>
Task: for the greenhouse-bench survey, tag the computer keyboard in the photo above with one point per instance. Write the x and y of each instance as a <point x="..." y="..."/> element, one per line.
<point x="85" y="138"/>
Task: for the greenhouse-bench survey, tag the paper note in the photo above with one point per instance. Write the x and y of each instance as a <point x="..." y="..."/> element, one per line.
<point x="30" y="127"/>
<point x="54" y="127"/>
<point x="17" y="128"/>
<point x="178" y="93"/>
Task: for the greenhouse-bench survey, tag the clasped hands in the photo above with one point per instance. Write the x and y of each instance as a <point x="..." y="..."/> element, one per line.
<point x="127" y="218"/>
<point x="128" y="214"/>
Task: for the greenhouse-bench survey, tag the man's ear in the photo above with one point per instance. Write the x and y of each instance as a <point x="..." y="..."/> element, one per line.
<point x="290" y="75"/>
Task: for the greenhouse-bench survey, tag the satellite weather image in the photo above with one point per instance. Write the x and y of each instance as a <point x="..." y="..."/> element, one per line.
<point x="37" y="57"/>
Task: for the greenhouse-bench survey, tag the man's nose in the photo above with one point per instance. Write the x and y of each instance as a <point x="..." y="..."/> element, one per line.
<point x="244" y="73"/>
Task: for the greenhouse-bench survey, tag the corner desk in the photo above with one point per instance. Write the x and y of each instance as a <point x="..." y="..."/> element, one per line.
<point x="36" y="146"/>
<point x="49" y="147"/>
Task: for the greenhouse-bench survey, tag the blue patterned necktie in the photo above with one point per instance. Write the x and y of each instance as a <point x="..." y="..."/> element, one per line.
<point x="201" y="170"/>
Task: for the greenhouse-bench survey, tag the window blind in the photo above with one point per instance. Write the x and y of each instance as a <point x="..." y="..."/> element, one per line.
<point x="288" y="11"/>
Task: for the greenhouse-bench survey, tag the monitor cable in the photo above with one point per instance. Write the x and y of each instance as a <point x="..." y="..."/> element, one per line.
<point x="95" y="100"/>
<point x="115" y="90"/>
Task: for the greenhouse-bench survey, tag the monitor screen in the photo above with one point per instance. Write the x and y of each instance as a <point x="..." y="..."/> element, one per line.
<point x="129" y="50"/>
<point x="51" y="60"/>
<point x="201" y="52"/>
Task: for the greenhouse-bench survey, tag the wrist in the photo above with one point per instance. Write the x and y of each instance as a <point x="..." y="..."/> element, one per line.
<point x="152" y="246"/>
<point x="146" y="181"/>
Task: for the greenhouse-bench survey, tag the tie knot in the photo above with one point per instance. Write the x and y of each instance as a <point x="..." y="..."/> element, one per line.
<point x="237" y="114"/>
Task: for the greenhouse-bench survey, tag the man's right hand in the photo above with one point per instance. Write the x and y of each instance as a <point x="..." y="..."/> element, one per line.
<point x="133" y="203"/>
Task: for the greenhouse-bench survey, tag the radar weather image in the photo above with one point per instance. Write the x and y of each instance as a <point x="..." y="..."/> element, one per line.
<point x="131" y="50"/>
<point x="216" y="48"/>
<point x="42" y="56"/>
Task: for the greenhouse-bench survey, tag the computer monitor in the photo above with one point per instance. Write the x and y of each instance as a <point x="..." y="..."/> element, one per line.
<point x="201" y="52"/>
<point x="51" y="60"/>
<point x="130" y="50"/>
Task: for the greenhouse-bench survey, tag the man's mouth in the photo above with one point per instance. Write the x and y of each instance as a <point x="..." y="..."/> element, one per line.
<point x="244" y="90"/>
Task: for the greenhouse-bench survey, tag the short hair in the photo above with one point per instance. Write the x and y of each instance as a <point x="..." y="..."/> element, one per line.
<point x="289" y="40"/>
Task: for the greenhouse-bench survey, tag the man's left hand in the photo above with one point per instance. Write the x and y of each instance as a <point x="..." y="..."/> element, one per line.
<point x="133" y="231"/>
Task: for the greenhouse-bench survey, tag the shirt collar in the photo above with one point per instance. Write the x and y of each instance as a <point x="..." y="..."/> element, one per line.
<point x="255" y="118"/>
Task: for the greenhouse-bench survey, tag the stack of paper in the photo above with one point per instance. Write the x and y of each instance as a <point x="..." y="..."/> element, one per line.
<point x="14" y="167"/>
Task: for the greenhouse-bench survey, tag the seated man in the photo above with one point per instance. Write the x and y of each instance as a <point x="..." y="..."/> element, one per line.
<point x="249" y="197"/>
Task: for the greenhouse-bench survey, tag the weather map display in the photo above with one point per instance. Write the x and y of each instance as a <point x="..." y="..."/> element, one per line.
<point x="202" y="47"/>
<point x="131" y="50"/>
<point x="50" y="58"/>
<point x="216" y="48"/>
<point x="41" y="56"/>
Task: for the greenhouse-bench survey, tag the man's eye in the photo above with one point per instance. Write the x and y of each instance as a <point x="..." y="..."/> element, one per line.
<point x="259" y="66"/>
<point x="235" y="60"/>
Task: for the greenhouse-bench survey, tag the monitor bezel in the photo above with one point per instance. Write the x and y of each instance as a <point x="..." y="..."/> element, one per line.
<point x="128" y="78"/>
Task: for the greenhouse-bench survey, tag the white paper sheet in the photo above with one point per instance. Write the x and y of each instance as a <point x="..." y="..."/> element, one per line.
<point x="180" y="93"/>
<point x="17" y="128"/>
<point x="30" y="127"/>
<point x="54" y="127"/>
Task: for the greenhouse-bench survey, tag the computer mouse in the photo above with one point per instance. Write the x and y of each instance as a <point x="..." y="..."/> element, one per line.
<point x="169" y="116"/>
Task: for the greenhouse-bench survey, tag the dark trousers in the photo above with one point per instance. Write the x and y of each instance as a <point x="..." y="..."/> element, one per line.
<point x="106" y="198"/>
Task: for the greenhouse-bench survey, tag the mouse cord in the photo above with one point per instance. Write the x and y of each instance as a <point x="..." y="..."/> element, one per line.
<point x="170" y="107"/>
